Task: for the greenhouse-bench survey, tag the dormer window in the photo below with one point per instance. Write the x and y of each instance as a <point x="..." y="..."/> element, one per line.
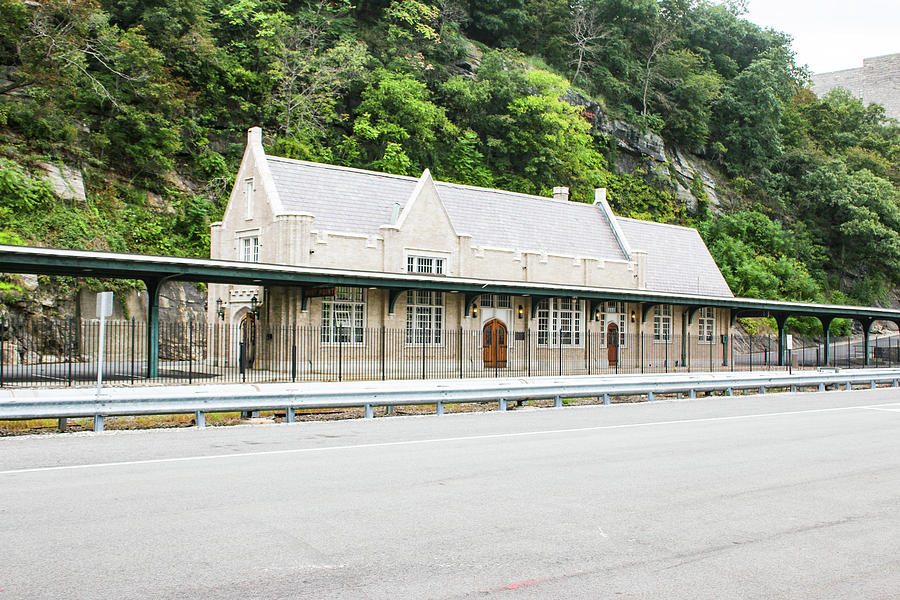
<point x="426" y="265"/>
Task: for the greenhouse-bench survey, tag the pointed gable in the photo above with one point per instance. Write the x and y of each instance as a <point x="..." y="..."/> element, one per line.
<point x="424" y="209"/>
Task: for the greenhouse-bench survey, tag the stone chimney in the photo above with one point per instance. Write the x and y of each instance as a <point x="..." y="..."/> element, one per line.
<point x="254" y="136"/>
<point x="561" y="193"/>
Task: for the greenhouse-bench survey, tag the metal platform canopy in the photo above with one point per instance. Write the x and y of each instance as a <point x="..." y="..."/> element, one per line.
<point x="155" y="270"/>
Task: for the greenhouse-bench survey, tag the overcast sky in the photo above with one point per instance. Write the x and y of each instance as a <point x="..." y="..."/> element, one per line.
<point x="832" y="34"/>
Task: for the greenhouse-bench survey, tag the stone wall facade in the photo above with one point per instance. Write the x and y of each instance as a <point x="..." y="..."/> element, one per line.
<point x="878" y="80"/>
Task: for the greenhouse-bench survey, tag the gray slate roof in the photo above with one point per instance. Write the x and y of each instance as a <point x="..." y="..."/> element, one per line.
<point x="677" y="259"/>
<point x="357" y="201"/>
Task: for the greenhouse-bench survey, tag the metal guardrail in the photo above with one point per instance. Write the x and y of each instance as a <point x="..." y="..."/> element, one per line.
<point x="62" y="404"/>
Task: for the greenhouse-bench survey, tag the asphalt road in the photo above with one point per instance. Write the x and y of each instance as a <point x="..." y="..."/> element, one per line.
<point x="779" y="496"/>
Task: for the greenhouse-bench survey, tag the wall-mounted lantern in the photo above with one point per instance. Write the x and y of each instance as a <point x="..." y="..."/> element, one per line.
<point x="474" y="311"/>
<point x="521" y="311"/>
<point x="597" y="315"/>
<point x="254" y="306"/>
<point x="220" y="308"/>
<point x="633" y="316"/>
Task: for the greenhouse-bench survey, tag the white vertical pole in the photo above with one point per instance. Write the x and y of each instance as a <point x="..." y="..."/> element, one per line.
<point x="104" y="309"/>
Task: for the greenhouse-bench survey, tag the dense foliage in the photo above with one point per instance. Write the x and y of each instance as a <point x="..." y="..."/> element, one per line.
<point x="152" y="98"/>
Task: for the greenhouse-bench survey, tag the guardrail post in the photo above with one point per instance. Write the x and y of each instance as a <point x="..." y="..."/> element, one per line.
<point x="872" y="385"/>
<point x="821" y="387"/>
<point x="439" y="408"/>
<point x="650" y="397"/>
<point x="200" y="418"/>
<point x="793" y="389"/>
<point x="849" y="386"/>
<point x="762" y="389"/>
<point x="557" y="402"/>
<point x="895" y="383"/>
<point x="61" y="425"/>
<point x="692" y="393"/>
<point x="289" y="414"/>
<point x="606" y="399"/>
<point x="98" y="423"/>
<point x="501" y="405"/>
<point x="729" y="392"/>
<point x="369" y="411"/>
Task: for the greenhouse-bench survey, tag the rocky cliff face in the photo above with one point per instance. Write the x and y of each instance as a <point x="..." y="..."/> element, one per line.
<point x="664" y="165"/>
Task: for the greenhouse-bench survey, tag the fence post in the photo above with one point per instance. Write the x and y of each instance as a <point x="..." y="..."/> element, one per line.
<point x="70" y="346"/>
<point x="587" y="351"/>
<point x="191" y="360"/>
<point x="641" y="344"/>
<point x="690" y="355"/>
<point x="132" y="350"/>
<point x="667" y="351"/>
<point x="241" y="359"/>
<point x="293" y="355"/>
<point x="750" y="337"/>
<point x="460" y="352"/>
<point x="383" y="363"/>
<point x="2" y="350"/>
<point x="528" y="352"/>
<point x="559" y="341"/>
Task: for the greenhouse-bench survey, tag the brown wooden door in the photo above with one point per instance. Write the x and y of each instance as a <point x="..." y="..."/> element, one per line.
<point x="494" y="344"/>
<point x="612" y="344"/>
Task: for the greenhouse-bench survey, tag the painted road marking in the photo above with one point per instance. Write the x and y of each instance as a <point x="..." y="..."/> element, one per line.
<point x="490" y="436"/>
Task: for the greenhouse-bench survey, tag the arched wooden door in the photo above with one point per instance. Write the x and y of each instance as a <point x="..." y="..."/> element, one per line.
<point x="612" y="344"/>
<point x="248" y="341"/>
<point x="494" y="344"/>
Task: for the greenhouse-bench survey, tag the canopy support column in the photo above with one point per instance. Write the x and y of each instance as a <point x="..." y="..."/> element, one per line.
<point x="782" y="339"/>
<point x="153" y="286"/>
<point x="867" y="326"/>
<point x="826" y="328"/>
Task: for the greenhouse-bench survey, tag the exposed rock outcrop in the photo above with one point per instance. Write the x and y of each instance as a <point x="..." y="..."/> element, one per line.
<point x="663" y="164"/>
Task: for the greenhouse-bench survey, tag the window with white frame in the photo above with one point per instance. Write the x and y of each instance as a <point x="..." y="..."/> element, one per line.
<point x="250" y="249"/>
<point x="424" y="317"/>
<point x="344" y="317"/>
<point x="559" y="322"/>
<point x="248" y="196"/>
<point x="427" y="265"/>
<point x="613" y="312"/>
<point x="662" y="323"/>
<point x="707" y="325"/>
<point x="495" y="300"/>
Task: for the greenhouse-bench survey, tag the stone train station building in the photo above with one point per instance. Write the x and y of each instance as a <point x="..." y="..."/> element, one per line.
<point x="291" y="212"/>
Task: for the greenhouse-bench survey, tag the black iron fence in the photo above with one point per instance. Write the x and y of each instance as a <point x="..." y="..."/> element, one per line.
<point x="65" y="353"/>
